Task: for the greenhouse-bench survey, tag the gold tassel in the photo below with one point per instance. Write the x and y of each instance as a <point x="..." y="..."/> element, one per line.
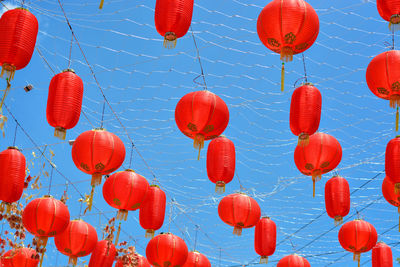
<point x="198" y="142"/>
<point x="149" y="233"/>
<point x="73" y="260"/>
<point x="264" y="260"/>
<point x="170" y="40"/>
<point x="220" y="187"/>
<point x="42" y="243"/>
<point x="394" y="101"/>
<point x="237" y="230"/>
<point x="394" y="22"/>
<point x="313" y="188"/>
<point x="5" y="93"/>
<point x="338" y="220"/>
<point x="96" y="179"/>
<point x="118" y="232"/>
<point x="286" y="54"/>
<point x="60" y="133"/>
<point x="101" y="4"/>
<point x="397" y="119"/>
<point x="283" y="77"/>
<point x="90" y="204"/>
<point x="304" y="140"/>
<point x="122" y="215"/>
<point x="10" y="70"/>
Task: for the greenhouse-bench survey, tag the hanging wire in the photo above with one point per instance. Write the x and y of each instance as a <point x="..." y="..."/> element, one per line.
<point x="170" y="214"/>
<point x="102" y="114"/>
<point x="198" y="58"/>
<point x="242" y="189"/>
<point x="304" y="66"/>
<point x="15" y="134"/>
<point x="195" y="237"/>
<point x="70" y="52"/>
<point x="130" y="160"/>
<point x="51" y="178"/>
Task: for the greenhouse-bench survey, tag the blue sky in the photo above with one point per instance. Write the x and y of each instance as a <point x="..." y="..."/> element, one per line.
<point x="143" y="81"/>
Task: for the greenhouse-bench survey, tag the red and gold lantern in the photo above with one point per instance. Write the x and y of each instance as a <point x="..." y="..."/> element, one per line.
<point x="20" y="257"/>
<point x="357" y="236"/>
<point x="240" y="211"/>
<point x="389" y="10"/>
<point x="391" y="195"/>
<point x="166" y="249"/>
<point x="293" y="261"/>
<point x="196" y="259"/>
<point x="265" y="238"/>
<point x="305" y="112"/>
<point x="137" y="260"/>
<point x="392" y="162"/>
<point x="320" y="156"/>
<point x="64" y="102"/>
<point x="337" y="198"/>
<point x="125" y="191"/>
<point x="152" y="211"/>
<point x="382" y="255"/>
<point x="103" y="254"/>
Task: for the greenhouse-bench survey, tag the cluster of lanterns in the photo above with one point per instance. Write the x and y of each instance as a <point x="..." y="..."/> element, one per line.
<point x="287" y="27"/>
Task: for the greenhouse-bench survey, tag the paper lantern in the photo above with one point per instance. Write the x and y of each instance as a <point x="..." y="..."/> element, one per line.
<point x="321" y="155"/>
<point x="240" y="211"/>
<point x="293" y="261"/>
<point x="166" y="249"/>
<point x="337" y="198"/>
<point x="388" y="191"/>
<point x="357" y="236"/>
<point x="139" y="261"/>
<point x="265" y="238"/>
<point x="12" y="175"/>
<point x="64" y="102"/>
<point x="221" y="160"/>
<point x="382" y="255"/>
<point x="305" y="112"/>
<point x="389" y="10"/>
<point x="125" y="191"/>
<point x="20" y="257"/>
<point x="103" y="254"/>
<point x="152" y="211"/>
<point x="392" y="162"/>
<point x="196" y="259"/>
<point x="78" y="240"/>
<point x="201" y="116"/>
<point x="172" y="19"/>
<point x="19" y="29"/>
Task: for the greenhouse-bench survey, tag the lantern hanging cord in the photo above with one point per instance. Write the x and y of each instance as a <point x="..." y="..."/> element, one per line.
<point x="15" y="133"/>
<point x="198" y="58"/>
<point x="304" y="66"/>
<point x="195" y="237"/>
<point x="170" y="214"/>
<point x="51" y="179"/>
<point x="70" y="51"/>
<point x="392" y="38"/>
<point x="102" y="114"/>
<point x="44" y="59"/>
<point x="130" y="160"/>
<point x="240" y="183"/>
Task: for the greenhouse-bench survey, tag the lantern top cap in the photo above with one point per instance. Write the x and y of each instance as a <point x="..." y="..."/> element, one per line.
<point x="265" y="217"/>
<point x="13" y="147"/>
<point x="129" y="170"/>
<point x="154" y="185"/>
<point x="99" y="129"/>
<point x="307" y="83"/>
<point x="23" y="8"/>
<point x="69" y="70"/>
<point x="47" y="196"/>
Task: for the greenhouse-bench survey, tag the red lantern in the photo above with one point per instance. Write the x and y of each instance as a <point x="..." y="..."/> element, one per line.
<point x="389" y="11"/>
<point x="240" y="211"/>
<point x="25" y="257"/>
<point x="196" y="259"/>
<point x="382" y="255"/>
<point x="98" y="152"/>
<point x="293" y="261"/>
<point x="12" y="175"/>
<point x="139" y="260"/>
<point x="221" y="160"/>
<point x="173" y="19"/>
<point x="265" y="238"/>
<point x="166" y="249"/>
<point x="392" y="162"/>
<point x="201" y="116"/>
<point x="152" y="212"/>
<point x="103" y="254"/>
<point x="388" y="191"/>
<point x="357" y="236"/>
<point x="321" y="155"/>
<point x="64" y="102"/>
<point x="337" y="198"/>
<point x="78" y="240"/>
<point x="125" y="190"/>
<point x="19" y="29"/>
<point x="305" y="112"/>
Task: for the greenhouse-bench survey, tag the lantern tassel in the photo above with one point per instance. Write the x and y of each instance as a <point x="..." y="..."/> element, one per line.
<point x="338" y="220"/>
<point x="313" y="188"/>
<point x="286" y="54"/>
<point x="90" y="203"/>
<point x="5" y="93"/>
<point x="42" y="243"/>
<point x="220" y="187"/>
<point x="73" y="260"/>
<point x="394" y="101"/>
<point x="149" y="233"/>
<point x="283" y="77"/>
<point x="170" y="40"/>
<point x="10" y="70"/>
<point x="264" y="260"/>
<point x="117" y="236"/>
<point x="237" y="230"/>
<point x="316" y="176"/>
<point x="101" y="4"/>
<point x="304" y="140"/>
<point x="96" y="179"/>
<point x="122" y="215"/>
<point x="394" y="23"/>
<point x="198" y="143"/>
<point x="397" y="188"/>
<point x="397" y="119"/>
<point x="60" y="133"/>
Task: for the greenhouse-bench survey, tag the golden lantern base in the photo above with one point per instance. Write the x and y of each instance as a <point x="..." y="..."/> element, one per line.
<point x="122" y="215"/>
<point x="220" y="187"/>
<point x="96" y="179"/>
<point x="170" y="40"/>
<point x="264" y="260"/>
<point x="237" y="230"/>
<point x="73" y="260"/>
<point x="316" y="176"/>
<point x="9" y="70"/>
<point x="198" y="143"/>
<point x="338" y="220"/>
<point x="149" y="233"/>
<point x="286" y="54"/>
<point x="304" y="140"/>
<point x="60" y="133"/>
<point x="394" y="23"/>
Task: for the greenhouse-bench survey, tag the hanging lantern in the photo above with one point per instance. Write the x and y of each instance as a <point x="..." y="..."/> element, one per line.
<point x="196" y="259"/>
<point x="103" y="254"/>
<point x="382" y="255"/>
<point x="221" y="160"/>
<point x="173" y="19"/>
<point x="240" y="211"/>
<point x="152" y="211"/>
<point x="392" y="162"/>
<point x="45" y="217"/>
<point x="357" y="236"/>
<point x="305" y="112"/>
<point x="389" y="11"/>
<point x="78" y="240"/>
<point x="265" y="238"/>
<point x="98" y="152"/>
<point x="320" y="156"/>
<point x="25" y="257"/>
<point x="12" y="175"/>
<point x="388" y="191"/>
<point x="337" y="198"/>
<point x="166" y="249"/>
<point x="19" y="29"/>
<point x="287" y="27"/>
<point x="383" y="79"/>
<point x="64" y="102"/>
<point x="293" y="261"/>
<point x="125" y="190"/>
<point x="201" y="116"/>
<point x="140" y="261"/>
